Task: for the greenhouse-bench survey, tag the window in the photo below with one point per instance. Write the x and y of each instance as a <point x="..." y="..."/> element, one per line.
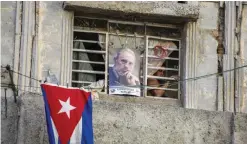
<point x="156" y="48"/>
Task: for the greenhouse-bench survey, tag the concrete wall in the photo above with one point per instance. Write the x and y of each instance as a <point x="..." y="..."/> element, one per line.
<point x="9" y="118"/>
<point x="206" y="56"/>
<point x="7" y="32"/>
<point x="50" y="38"/>
<point x="121" y="122"/>
<point x="9" y="110"/>
<point x="244" y="58"/>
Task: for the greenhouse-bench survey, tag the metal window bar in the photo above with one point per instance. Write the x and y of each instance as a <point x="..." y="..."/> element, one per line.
<point x="163" y="25"/>
<point x="89" y="51"/>
<point x="147" y="66"/>
<point x="168" y="58"/>
<point x="150" y="87"/>
<point x="128" y="35"/>
<point x="71" y="52"/>
<point x="160" y="78"/>
<point x="179" y="69"/>
<point x="89" y="71"/>
<point x="164" y="98"/>
<point x="81" y="82"/>
<point x="173" y="49"/>
<point x="155" y="57"/>
<point x="91" y="62"/>
<point x="162" y="68"/>
<point x="77" y="29"/>
<point x="163" y="38"/>
<point x="106" y="62"/>
<point x="88" y="41"/>
<point x="126" y="22"/>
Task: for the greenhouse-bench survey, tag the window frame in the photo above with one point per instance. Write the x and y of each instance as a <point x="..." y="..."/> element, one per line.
<point x="146" y="37"/>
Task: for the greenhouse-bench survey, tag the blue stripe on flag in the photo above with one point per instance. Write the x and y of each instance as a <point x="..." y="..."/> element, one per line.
<point x="87" y="123"/>
<point x="48" y="119"/>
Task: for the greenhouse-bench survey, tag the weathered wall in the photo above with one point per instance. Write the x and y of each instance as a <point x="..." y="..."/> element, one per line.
<point x="121" y="122"/>
<point x="9" y="118"/>
<point x="7" y="32"/>
<point x="50" y="37"/>
<point x="206" y="56"/>
<point x="9" y="123"/>
<point x="244" y="57"/>
<point x="240" y="129"/>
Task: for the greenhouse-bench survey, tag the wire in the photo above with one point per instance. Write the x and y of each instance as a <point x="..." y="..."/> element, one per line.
<point x="188" y="79"/>
<point x="7" y="84"/>
<point x="22" y="90"/>
<point x="21" y="74"/>
<point x="143" y="86"/>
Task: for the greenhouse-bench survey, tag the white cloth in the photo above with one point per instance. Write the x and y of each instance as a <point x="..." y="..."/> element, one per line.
<point x="96" y="86"/>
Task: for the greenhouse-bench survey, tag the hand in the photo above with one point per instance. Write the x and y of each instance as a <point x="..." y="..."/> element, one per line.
<point x="129" y="79"/>
<point x="176" y="77"/>
<point x="132" y="80"/>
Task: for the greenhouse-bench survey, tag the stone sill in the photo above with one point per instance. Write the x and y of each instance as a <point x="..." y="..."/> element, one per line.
<point x="138" y="100"/>
<point x="124" y="99"/>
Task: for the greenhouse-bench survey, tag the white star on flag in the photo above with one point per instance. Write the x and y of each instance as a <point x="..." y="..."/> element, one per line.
<point x="66" y="107"/>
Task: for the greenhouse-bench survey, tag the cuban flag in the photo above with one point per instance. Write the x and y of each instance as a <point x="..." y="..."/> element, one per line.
<point x="68" y="115"/>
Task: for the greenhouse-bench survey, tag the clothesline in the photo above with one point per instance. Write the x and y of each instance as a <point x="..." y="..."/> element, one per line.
<point x="143" y="86"/>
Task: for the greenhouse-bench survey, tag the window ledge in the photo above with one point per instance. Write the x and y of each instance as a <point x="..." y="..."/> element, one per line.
<point x="139" y="100"/>
<point x="139" y="11"/>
